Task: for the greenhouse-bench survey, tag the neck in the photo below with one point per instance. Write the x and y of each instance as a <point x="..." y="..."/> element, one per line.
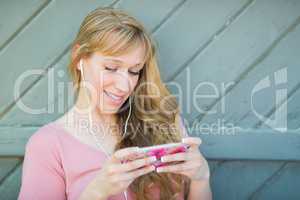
<point x="82" y="109"/>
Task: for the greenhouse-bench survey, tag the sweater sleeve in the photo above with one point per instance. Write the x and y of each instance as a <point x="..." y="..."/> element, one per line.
<point x="42" y="172"/>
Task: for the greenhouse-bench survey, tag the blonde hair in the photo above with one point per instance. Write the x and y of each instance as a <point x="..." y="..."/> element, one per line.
<point x="113" y="32"/>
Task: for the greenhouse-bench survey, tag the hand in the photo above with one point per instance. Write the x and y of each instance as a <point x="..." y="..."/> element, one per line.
<point x="115" y="175"/>
<point x="193" y="164"/>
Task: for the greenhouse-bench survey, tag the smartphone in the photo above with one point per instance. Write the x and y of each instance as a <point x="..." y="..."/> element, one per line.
<point x="160" y="150"/>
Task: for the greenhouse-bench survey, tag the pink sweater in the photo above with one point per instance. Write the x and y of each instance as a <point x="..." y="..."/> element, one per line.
<point x="57" y="166"/>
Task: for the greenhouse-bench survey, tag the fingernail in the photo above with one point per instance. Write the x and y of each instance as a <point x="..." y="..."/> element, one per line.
<point x="140" y="150"/>
<point x="136" y="148"/>
<point x="159" y="169"/>
<point x="153" y="158"/>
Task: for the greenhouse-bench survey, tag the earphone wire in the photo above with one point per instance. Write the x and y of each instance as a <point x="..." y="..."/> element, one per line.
<point x="126" y="122"/>
<point x="91" y="122"/>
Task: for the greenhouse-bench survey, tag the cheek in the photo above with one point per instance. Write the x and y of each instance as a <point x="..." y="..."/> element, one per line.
<point x="110" y="80"/>
<point x="104" y="80"/>
<point x="133" y="83"/>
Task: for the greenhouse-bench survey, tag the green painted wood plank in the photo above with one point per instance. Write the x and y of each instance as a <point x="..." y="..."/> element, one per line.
<point x="213" y="165"/>
<point x="231" y="54"/>
<point x="37" y="97"/>
<point x="285" y="185"/>
<point x="238" y="101"/>
<point x="9" y="189"/>
<point x="293" y="114"/>
<point x="13" y="140"/>
<point x="189" y="28"/>
<point x="251" y="144"/>
<point x="6" y="165"/>
<point x="57" y="24"/>
<point x="143" y="10"/>
<point x="11" y="23"/>
<point x="237" y="180"/>
<point x="293" y="111"/>
<point x="285" y="57"/>
<point x="46" y="101"/>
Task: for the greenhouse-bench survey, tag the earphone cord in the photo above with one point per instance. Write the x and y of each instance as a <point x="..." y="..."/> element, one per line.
<point x="91" y="124"/>
<point x="98" y="143"/>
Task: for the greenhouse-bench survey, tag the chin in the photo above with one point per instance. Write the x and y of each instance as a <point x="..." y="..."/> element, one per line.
<point x="109" y="109"/>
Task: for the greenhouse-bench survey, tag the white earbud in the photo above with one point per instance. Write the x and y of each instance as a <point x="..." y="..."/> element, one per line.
<point x="80" y="65"/>
<point x="81" y="69"/>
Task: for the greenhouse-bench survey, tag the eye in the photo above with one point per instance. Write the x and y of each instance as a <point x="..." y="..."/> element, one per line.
<point x="135" y="73"/>
<point x="112" y="69"/>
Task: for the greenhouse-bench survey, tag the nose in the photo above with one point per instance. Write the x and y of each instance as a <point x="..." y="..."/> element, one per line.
<point x="123" y="82"/>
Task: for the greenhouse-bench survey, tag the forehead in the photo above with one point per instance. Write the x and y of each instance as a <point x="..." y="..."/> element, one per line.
<point x="131" y="58"/>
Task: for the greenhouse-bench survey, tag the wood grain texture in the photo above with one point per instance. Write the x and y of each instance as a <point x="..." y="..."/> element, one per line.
<point x="279" y="56"/>
<point x="7" y="164"/>
<point x="237" y="180"/>
<point x="230" y="58"/>
<point x="11" y="24"/>
<point x="10" y="188"/>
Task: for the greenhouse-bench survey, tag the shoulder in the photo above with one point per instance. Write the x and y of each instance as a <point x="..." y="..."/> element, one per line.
<point x="43" y="161"/>
<point x="44" y="141"/>
<point x="46" y="134"/>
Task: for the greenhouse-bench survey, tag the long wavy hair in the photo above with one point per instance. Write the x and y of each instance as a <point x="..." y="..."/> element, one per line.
<point x="155" y="112"/>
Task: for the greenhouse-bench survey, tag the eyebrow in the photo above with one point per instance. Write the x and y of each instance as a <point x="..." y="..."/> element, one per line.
<point x="118" y="61"/>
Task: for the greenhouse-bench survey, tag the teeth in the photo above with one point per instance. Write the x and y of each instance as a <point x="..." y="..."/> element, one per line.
<point x="113" y="96"/>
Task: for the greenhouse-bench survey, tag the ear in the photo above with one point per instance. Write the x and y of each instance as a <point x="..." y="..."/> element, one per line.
<point x="78" y="65"/>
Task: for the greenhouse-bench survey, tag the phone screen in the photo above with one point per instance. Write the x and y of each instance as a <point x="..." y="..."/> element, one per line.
<point x="158" y="151"/>
<point x="161" y="150"/>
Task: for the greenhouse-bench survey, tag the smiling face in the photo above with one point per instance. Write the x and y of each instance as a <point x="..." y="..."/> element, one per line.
<point x="112" y="79"/>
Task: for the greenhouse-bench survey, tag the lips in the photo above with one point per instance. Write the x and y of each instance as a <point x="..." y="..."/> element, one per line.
<point x="114" y="98"/>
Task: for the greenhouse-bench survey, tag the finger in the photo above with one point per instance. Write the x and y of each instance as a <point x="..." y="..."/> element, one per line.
<point x="122" y="184"/>
<point x="179" y="167"/>
<point x="177" y="157"/>
<point x="194" y="142"/>
<point x="126" y="152"/>
<point x="133" y="174"/>
<point x="131" y="165"/>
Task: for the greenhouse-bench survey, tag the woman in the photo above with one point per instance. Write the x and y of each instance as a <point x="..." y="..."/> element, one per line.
<point x="121" y="105"/>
